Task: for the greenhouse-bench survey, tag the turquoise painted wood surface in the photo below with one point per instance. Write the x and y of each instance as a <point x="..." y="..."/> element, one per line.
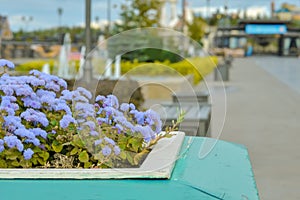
<point x="226" y="173"/>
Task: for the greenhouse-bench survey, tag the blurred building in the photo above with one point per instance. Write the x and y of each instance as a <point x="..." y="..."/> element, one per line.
<point x="5" y="32"/>
<point x="288" y="12"/>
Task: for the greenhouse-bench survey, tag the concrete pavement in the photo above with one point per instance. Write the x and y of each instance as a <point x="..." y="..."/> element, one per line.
<point x="263" y="113"/>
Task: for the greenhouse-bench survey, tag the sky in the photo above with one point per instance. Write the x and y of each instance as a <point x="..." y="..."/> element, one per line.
<point x="44" y="13"/>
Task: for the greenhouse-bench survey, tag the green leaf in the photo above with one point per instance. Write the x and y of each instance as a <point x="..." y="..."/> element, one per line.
<point x="74" y="151"/>
<point x="77" y="141"/>
<point x="122" y="155"/>
<point x="12" y="154"/>
<point x="53" y="122"/>
<point x="98" y="156"/>
<point x="135" y="144"/>
<point x="87" y="164"/>
<point x="83" y="157"/>
<point x="57" y="147"/>
<point x="122" y="142"/>
<point x="34" y="161"/>
<point x="3" y="164"/>
<point x="15" y="163"/>
<point x="37" y="150"/>
<point x="44" y="155"/>
<point x="25" y="163"/>
<point x="41" y="161"/>
<point x="12" y="157"/>
<point x="129" y="158"/>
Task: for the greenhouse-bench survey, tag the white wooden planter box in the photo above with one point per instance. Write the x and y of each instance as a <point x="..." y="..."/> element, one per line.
<point x="158" y="164"/>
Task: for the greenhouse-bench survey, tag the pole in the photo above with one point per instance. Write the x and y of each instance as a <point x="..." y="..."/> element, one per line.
<point x="108" y="17"/>
<point x="88" y="71"/>
<point x="183" y="15"/>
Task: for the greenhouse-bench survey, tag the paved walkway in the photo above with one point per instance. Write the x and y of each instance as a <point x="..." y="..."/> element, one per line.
<point x="263" y="113"/>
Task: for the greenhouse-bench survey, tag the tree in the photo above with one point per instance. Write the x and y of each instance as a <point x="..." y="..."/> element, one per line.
<point x="197" y="28"/>
<point x="139" y="14"/>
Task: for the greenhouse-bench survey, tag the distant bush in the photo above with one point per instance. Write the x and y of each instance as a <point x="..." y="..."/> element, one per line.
<point x="25" y="67"/>
<point x="151" y="55"/>
<point x="35" y="64"/>
<point x="198" y="67"/>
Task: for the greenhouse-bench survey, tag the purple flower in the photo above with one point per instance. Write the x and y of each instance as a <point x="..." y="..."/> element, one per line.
<point x="100" y="98"/>
<point x="8" y="106"/>
<point x="8" y="91"/>
<point x="132" y="106"/>
<point x="111" y="101"/>
<point x="12" y="141"/>
<point x="1" y="148"/>
<point x="24" y="90"/>
<point x="109" y="141"/>
<point x="63" y="106"/>
<point x="85" y="92"/>
<point x="35" y="81"/>
<point x="97" y="142"/>
<point x="28" y="154"/>
<point x="94" y="133"/>
<point x="20" y="146"/>
<point x="101" y="120"/>
<point x="31" y="115"/>
<point x="109" y="111"/>
<point x="50" y="100"/>
<point x="140" y="117"/>
<point x="67" y="95"/>
<point x="52" y="86"/>
<point x="31" y="102"/>
<point x="117" y="150"/>
<point x="22" y="132"/>
<point x="81" y="98"/>
<point x="35" y="72"/>
<point x="123" y="121"/>
<point x="84" y="110"/>
<point x="153" y="118"/>
<point x="41" y="93"/>
<point x="145" y="131"/>
<point x="34" y="141"/>
<point x="1" y="145"/>
<point x="66" y="120"/>
<point x="39" y="132"/>
<point x="7" y="63"/>
<point x="90" y="124"/>
<point x="119" y="127"/>
<point x="106" y="151"/>
<point x="12" y="123"/>
<point x="124" y="107"/>
<point x="62" y="83"/>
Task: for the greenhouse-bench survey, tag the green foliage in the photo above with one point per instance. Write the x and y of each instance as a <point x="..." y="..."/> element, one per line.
<point x="25" y="67"/>
<point x="196" y="29"/>
<point x="151" y="55"/>
<point x="198" y="67"/>
<point x="139" y="14"/>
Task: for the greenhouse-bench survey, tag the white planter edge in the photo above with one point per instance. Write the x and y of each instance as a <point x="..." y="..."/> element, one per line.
<point x="159" y="164"/>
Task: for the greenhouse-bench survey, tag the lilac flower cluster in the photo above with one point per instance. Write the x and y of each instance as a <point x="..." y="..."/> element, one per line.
<point x="6" y="63"/>
<point x="28" y="105"/>
<point x="25" y="102"/>
<point x="108" y="146"/>
<point x="126" y="119"/>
